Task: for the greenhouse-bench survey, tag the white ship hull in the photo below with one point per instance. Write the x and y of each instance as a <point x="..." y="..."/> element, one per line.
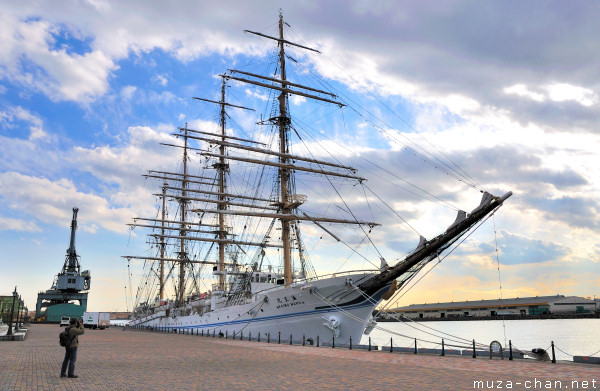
<point x="325" y="309"/>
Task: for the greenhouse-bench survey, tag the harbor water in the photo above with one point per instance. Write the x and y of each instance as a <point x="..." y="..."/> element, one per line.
<point x="572" y="337"/>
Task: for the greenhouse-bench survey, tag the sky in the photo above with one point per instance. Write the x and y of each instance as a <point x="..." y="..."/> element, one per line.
<point x="506" y="90"/>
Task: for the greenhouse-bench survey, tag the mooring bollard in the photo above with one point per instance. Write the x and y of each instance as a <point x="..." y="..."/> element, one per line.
<point x="279" y="337"/>
<point x="333" y="344"/>
<point x="474" y="353"/>
<point x="443" y="351"/>
<point x="391" y="345"/>
<point x="269" y="337"/>
<point x="369" y="344"/>
<point x="291" y="339"/>
<point x="510" y="356"/>
<point x="258" y="339"/>
<point x="415" y="352"/>
<point x="553" y="355"/>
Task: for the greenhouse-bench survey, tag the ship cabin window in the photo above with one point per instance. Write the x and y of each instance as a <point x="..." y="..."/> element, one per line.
<point x="256" y="278"/>
<point x="280" y="281"/>
<point x="263" y="279"/>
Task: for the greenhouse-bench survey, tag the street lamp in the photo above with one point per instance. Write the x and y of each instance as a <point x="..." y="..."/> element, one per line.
<point x="25" y="315"/>
<point x="19" y="309"/>
<point x="17" y="314"/>
<point x="12" y="311"/>
<point x="21" y="312"/>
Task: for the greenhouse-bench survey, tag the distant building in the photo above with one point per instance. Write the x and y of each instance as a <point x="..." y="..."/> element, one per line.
<point x="538" y="305"/>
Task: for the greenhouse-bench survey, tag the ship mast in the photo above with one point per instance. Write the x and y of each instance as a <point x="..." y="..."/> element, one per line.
<point x="161" y="288"/>
<point x="183" y="202"/>
<point x="284" y="210"/>
<point x="222" y="167"/>
<point x="284" y="172"/>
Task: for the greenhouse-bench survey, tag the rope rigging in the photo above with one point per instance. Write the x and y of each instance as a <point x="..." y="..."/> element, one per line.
<point x="454" y="169"/>
<point x="499" y="276"/>
<point x="281" y="201"/>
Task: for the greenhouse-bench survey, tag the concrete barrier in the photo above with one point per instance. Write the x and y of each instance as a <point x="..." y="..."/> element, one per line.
<point x="398" y="349"/>
<point x="469" y="352"/>
<point x="451" y="352"/>
<point x="365" y="347"/>
<point x="429" y="351"/>
<point x="486" y="353"/>
<point x="586" y="360"/>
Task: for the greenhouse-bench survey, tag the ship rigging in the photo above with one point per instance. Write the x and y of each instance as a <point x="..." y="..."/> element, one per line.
<point x="235" y="227"/>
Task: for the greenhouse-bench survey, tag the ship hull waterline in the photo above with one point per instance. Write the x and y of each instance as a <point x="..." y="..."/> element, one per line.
<point x="324" y="309"/>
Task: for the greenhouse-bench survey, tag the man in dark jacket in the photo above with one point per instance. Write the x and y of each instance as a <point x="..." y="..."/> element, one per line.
<point x="75" y="329"/>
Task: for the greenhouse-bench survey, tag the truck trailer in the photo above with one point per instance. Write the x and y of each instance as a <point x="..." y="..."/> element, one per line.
<point x="96" y="320"/>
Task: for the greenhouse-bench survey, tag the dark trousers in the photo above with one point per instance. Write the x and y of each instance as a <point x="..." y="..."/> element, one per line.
<point x="70" y="358"/>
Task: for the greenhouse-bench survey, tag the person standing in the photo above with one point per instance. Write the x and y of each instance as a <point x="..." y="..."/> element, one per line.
<point x="75" y="329"/>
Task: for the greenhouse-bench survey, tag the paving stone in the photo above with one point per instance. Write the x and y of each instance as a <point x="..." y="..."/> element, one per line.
<point x="114" y="359"/>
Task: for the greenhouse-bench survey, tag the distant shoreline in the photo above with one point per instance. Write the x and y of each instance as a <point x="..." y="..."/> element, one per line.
<point x="497" y="317"/>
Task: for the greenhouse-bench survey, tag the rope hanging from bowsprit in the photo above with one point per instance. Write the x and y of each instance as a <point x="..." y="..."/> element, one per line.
<point x="499" y="276"/>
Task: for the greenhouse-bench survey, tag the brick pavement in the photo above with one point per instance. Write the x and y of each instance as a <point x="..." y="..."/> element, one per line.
<point x="136" y="360"/>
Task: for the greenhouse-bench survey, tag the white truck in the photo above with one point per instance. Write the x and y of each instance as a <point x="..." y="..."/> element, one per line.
<point x="96" y="320"/>
<point x="64" y="321"/>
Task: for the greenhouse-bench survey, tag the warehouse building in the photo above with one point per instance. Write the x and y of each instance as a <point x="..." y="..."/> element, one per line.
<point x="539" y="305"/>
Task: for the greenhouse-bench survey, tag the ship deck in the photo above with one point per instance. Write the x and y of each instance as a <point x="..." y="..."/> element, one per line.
<point x="134" y="360"/>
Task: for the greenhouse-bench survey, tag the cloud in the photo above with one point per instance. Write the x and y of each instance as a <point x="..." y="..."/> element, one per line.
<point x="558" y="92"/>
<point x="124" y="164"/>
<point x="507" y="92"/>
<point x="9" y="118"/>
<point x="10" y="224"/>
<point x="127" y="92"/>
<point x="518" y="249"/>
<point x="162" y="79"/>
<point x="579" y="212"/>
<point x="52" y="201"/>
<point x="28" y="58"/>
<point x="449" y="64"/>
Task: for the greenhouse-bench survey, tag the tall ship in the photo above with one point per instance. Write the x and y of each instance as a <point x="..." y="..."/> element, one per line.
<point x="227" y="254"/>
